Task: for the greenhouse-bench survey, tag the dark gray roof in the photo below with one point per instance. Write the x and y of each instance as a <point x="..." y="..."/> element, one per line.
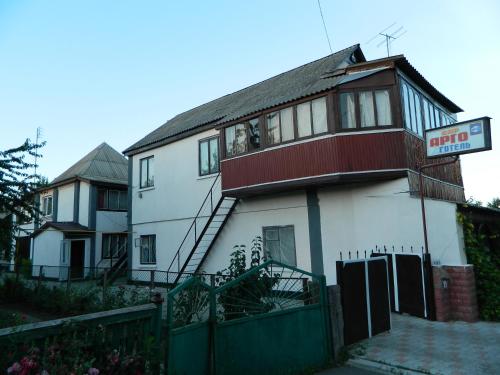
<point x="102" y="164"/>
<point x="63" y="226"/>
<point x="303" y="81"/>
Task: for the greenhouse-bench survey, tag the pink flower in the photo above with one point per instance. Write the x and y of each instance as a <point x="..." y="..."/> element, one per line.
<point x="15" y="368"/>
<point x="93" y="371"/>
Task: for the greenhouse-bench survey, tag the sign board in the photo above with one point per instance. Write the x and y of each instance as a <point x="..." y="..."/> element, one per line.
<point x="460" y="138"/>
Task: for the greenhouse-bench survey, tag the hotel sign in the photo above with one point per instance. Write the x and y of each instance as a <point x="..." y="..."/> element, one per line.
<point x="460" y="138"/>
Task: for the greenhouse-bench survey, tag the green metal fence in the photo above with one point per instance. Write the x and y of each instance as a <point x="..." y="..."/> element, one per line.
<point x="272" y="319"/>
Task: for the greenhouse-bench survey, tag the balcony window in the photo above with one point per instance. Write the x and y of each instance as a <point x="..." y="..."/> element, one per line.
<point x="147" y="172"/>
<point x="253" y="134"/>
<point x="365" y="109"/>
<point x="236" y="139"/>
<point x="320" y="124"/>
<point x="304" y="124"/>
<point x="347" y="110"/>
<point x="208" y="156"/>
<point x="112" y="200"/>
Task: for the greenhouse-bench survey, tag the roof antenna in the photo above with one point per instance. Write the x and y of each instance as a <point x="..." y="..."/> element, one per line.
<point x="324" y="25"/>
<point x="389" y="37"/>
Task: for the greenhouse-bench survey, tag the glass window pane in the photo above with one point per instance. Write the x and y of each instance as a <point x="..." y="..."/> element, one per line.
<point x="427" y="123"/>
<point x="273" y="128"/>
<point x="286" y="120"/>
<point x="153" y="249"/>
<point x="123" y="200"/>
<point x="287" y="245"/>
<point x="304" y="119"/>
<point x="383" y="102"/>
<point x="214" y="155"/>
<point x="144" y="172"/>
<point x="347" y="111"/>
<point x="437" y="117"/>
<point x="254" y="134"/>
<point x="411" y="97"/>
<point x="230" y="136"/>
<point x="102" y="198"/>
<point x="204" y="167"/>
<point x="105" y="245"/>
<point x="418" y="114"/>
<point x="241" y="139"/>
<point x="49" y="206"/>
<point x="319" y="115"/>
<point x="366" y="109"/>
<point x="114" y="199"/>
<point x="406" y="105"/>
<point x="151" y="172"/>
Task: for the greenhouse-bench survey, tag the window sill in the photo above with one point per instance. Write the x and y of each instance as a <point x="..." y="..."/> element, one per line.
<point x="207" y="176"/>
<point x="147" y="267"/>
<point x="146" y="189"/>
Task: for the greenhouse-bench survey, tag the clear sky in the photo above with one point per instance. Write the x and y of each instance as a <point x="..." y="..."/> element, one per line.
<point x="94" y="71"/>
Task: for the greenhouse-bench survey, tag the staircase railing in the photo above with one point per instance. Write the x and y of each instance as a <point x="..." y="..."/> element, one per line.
<point x="194" y="232"/>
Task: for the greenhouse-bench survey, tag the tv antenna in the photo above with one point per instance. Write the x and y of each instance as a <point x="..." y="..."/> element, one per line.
<point x="389" y="36"/>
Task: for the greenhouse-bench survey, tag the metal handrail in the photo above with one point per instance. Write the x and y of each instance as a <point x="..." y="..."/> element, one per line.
<point x="193" y="223"/>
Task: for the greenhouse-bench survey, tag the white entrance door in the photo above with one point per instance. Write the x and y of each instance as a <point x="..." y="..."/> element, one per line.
<point x="64" y="261"/>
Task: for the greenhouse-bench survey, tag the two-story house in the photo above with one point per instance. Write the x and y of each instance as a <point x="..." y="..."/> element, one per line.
<point x="321" y="159"/>
<point x="83" y="220"/>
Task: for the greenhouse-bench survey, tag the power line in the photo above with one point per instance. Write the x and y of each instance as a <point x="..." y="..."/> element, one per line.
<point x="324" y="25"/>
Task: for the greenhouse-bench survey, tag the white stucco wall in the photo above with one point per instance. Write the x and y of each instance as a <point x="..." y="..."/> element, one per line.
<point x="168" y="208"/>
<point x="65" y="202"/>
<point x="362" y="217"/>
<point x="83" y="210"/>
<point x="248" y="219"/>
<point x="47" y="251"/>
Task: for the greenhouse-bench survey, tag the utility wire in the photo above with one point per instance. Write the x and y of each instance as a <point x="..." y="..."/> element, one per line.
<point x="324" y="25"/>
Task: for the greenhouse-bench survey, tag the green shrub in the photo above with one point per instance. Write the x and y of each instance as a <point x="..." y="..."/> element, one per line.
<point x="486" y="269"/>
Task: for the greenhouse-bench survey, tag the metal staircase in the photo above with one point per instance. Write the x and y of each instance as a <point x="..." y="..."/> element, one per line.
<point x="203" y="232"/>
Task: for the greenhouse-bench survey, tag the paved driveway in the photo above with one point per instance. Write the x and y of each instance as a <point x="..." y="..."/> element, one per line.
<point x="436" y="348"/>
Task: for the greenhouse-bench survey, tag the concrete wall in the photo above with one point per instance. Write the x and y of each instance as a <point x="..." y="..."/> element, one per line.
<point x="248" y="219"/>
<point x="168" y="208"/>
<point x="83" y="213"/>
<point x="66" y="202"/>
<point x="47" y="250"/>
<point x="358" y="218"/>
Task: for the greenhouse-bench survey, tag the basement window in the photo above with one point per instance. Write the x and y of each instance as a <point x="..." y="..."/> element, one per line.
<point x="279" y="244"/>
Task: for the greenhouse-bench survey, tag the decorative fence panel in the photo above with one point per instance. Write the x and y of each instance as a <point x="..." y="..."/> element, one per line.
<point x="272" y="319"/>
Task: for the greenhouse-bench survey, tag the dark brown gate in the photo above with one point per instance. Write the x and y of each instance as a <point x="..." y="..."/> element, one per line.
<point x="364" y="286"/>
<point x="410" y="285"/>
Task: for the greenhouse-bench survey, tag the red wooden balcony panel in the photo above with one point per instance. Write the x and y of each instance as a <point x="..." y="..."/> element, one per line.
<point x="350" y="153"/>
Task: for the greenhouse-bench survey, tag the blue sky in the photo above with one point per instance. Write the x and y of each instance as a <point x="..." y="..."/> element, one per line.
<point x="94" y="71"/>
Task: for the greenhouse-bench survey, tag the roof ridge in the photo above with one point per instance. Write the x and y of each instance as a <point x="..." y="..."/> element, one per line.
<point x="265" y="80"/>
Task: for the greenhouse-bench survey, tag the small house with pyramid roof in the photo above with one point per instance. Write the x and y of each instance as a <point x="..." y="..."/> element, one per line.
<point x="83" y="219"/>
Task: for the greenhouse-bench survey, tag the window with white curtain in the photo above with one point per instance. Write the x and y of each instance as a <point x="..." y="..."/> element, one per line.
<point x="347" y="110"/>
<point x="279" y="244"/>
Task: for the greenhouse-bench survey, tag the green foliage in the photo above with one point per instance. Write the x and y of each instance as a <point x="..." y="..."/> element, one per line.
<point x="79" y="350"/>
<point x="494" y="203"/>
<point x="62" y="302"/>
<point x="250" y="289"/>
<point x="486" y="263"/>
<point x="8" y="319"/>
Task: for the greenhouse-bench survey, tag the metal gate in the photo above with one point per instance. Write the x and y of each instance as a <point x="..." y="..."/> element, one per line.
<point x="364" y="285"/>
<point x="272" y="319"/>
<point x="410" y="281"/>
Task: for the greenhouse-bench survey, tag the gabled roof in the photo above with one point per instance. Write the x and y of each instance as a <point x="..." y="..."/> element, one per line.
<point x="309" y="79"/>
<point x="102" y="164"/>
<point x="63" y="226"/>
<point x="292" y="85"/>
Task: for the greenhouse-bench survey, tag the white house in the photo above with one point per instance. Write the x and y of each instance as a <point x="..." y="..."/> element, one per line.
<point x="83" y="219"/>
<point x="318" y="160"/>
